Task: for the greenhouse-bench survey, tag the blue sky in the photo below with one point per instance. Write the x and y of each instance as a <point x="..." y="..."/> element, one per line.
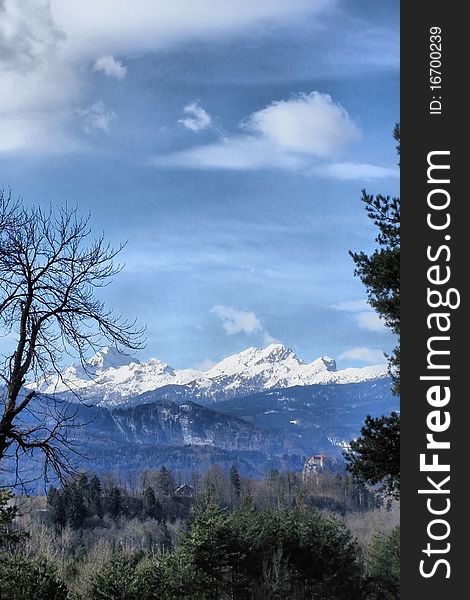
<point x="228" y="142"/>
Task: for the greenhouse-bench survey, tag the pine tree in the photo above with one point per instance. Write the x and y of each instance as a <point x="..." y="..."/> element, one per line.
<point x="164" y="483"/>
<point x="94" y="495"/>
<point x="235" y="485"/>
<point x="375" y="456"/>
<point x="207" y="548"/>
<point x="57" y="513"/>
<point x="75" y="508"/>
<point x="380" y="271"/>
<point x="94" y="487"/>
<point x="82" y="483"/>
<point x="151" y="580"/>
<point x="382" y="563"/>
<point x="114" y="579"/>
<point x="151" y="507"/>
<point x="25" y="578"/>
<point x="116" y="505"/>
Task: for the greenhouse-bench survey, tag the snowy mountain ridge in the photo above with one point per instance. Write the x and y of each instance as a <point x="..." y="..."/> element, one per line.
<point x="112" y="378"/>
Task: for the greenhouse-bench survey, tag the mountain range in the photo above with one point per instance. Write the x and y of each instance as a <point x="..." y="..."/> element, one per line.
<point x="111" y="378"/>
<point x="262" y="408"/>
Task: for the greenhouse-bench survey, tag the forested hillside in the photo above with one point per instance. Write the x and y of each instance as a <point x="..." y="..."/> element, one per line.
<point x="219" y="535"/>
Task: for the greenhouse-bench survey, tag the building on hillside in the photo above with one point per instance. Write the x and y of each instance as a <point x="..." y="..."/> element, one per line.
<point x="315" y="464"/>
<point x="185" y="491"/>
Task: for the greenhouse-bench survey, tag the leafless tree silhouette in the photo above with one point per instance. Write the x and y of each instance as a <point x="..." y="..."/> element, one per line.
<point x="50" y="270"/>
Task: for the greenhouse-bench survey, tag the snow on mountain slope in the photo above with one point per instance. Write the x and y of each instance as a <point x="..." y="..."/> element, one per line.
<point x="112" y="378"/>
<point x="261" y="369"/>
<point x="353" y="375"/>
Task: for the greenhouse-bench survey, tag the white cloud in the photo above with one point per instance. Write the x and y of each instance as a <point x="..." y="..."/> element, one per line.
<point x="362" y="171"/>
<point x="371" y="321"/>
<point x="196" y="118"/>
<point x="367" y="355"/>
<point x="27" y="33"/>
<point x="96" y="117"/>
<point x="242" y="321"/>
<point x="96" y="28"/>
<point x="110" y="66"/>
<point x="234" y="153"/>
<point x="237" y="321"/>
<point x="38" y="88"/>
<point x="364" y="315"/>
<point x="45" y="135"/>
<point x="307" y="123"/>
<point x="47" y="47"/>
<point x="287" y="134"/>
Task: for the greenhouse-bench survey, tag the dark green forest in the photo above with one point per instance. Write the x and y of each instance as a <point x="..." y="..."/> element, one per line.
<point x="219" y="536"/>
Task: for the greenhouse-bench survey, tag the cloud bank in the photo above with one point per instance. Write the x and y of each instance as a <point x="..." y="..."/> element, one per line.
<point x="364" y="315"/>
<point x="50" y="48"/>
<point x="287" y="134"/>
<point x="363" y="354"/>
<point x="308" y="129"/>
<point x="307" y="124"/>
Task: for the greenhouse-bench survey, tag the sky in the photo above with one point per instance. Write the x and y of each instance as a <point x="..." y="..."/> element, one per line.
<point x="228" y="142"/>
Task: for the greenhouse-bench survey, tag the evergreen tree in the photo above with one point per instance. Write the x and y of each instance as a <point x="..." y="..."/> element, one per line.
<point x="380" y="273"/>
<point x="207" y="548"/>
<point x="290" y="554"/>
<point x="114" y="579"/>
<point x="57" y="512"/>
<point x="151" y="507"/>
<point x="324" y="555"/>
<point x="75" y="509"/>
<point x="164" y="483"/>
<point x="94" y="487"/>
<point x="152" y="582"/>
<point x="375" y="456"/>
<point x="267" y="554"/>
<point x="383" y="566"/>
<point x="116" y="505"/>
<point x="94" y="495"/>
<point x="235" y="485"/>
<point x="82" y="483"/>
<point x="25" y="578"/>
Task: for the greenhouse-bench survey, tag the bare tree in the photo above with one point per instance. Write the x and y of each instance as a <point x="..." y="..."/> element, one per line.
<point x="50" y="271"/>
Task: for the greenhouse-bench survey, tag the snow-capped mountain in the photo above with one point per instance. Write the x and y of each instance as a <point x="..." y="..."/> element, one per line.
<point x="260" y="409"/>
<point x="272" y="367"/>
<point x="112" y="378"/>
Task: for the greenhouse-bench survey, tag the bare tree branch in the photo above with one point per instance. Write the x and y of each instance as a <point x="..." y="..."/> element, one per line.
<point x="50" y="272"/>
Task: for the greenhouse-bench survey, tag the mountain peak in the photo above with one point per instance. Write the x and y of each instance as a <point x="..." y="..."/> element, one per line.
<point x="276" y="352"/>
<point x="110" y="358"/>
<point x="325" y="363"/>
<point x="115" y="378"/>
